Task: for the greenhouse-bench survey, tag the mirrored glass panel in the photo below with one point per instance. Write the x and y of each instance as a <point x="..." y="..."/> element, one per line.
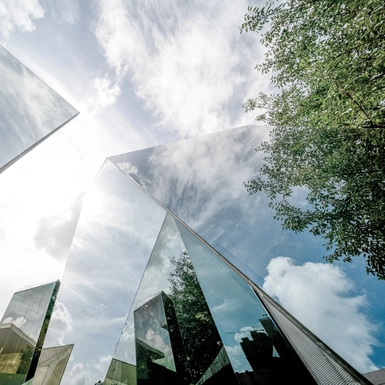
<point x="22" y="332"/>
<point x="29" y="110"/>
<point x="52" y="364"/>
<point x="257" y="350"/>
<point x="200" y="180"/>
<point x="116" y="232"/>
<point x="170" y="336"/>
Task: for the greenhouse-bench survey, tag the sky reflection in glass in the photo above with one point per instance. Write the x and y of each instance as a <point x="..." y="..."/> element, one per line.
<point x="117" y="229"/>
<point x="29" y="109"/>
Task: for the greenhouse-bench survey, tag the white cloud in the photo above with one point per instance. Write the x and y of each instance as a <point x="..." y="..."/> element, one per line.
<point x="105" y="94"/>
<point x="210" y="177"/>
<point x="55" y="232"/>
<point x="78" y="375"/>
<point x="128" y="167"/>
<point x="125" y="350"/>
<point x="318" y="295"/>
<point x="244" y="333"/>
<point x="236" y="356"/>
<point x="19" y="14"/>
<point x="18" y="322"/>
<point x="188" y="62"/>
<point x="103" y="364"/>
<point x="61" y="323"/>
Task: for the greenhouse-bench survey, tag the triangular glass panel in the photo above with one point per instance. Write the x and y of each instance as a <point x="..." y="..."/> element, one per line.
<point x="52" y="364"/>
<point x="167" y="341"/>
<point x="257" y="350"/>
<point x="196" y="319"/>
<point x="116" y="232"/>
<point x="22" y="332"/>
<point x="30" y="110"/>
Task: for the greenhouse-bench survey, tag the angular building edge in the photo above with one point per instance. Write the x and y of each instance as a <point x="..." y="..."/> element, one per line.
<point x="344" y="372"/>
<point x="18" y="157"/>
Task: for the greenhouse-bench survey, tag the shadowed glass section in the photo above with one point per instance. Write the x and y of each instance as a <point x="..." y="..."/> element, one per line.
<point x="29" y="110"/>
<point x="120" y="373"/>
<point x="22" y="332"/>
<point x="116" y="232"/>
<point x="160" y="355"/>
<point x="170" y="336"/>
<point x="52" y="364"/>
<point x="258" y="352"/>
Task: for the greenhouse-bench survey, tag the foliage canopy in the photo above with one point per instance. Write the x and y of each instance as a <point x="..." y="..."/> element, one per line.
<point x="326" y="60"/>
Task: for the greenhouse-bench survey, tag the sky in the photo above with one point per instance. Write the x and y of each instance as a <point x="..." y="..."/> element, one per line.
<point x="144" y="74"/>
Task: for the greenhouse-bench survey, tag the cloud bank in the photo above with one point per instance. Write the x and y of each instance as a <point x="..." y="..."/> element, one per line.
<point x="187" y="62"/>
<point x="19" y="14"/>
<point x="318" y="295"/>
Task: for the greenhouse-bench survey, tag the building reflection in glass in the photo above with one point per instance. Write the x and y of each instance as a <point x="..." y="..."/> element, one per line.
<point x="175" y="337"/>
<point x="190" y="317"/>
<point x="195" y="318"/>
<point x="22" y="332"/>
<point x="160" y="357"/>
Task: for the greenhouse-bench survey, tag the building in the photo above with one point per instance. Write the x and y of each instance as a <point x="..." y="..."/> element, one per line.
<point x="195" y="311"/>
<point x="22" y="332"/>
<point x="194" y="316"/>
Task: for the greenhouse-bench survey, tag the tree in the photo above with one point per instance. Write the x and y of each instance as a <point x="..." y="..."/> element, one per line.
<point x="327" y="63"/>
<point x="201" y="339"/>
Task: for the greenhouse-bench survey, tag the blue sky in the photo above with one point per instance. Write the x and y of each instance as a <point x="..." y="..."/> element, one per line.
<point x="143" y="74"/>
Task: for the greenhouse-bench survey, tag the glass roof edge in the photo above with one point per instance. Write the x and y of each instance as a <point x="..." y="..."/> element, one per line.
<point x="38" y="77"/>
<point x="30" y="148"/>
<point x="111" y="158"/>
<point x="34" y="286"/>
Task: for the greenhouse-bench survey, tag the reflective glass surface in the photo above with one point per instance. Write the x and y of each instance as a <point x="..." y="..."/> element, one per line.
<point x="22" y="332"/>
<point x="200" y="180"/>
<point x="116" y="232"/>
<point x="29" y="109"/>
<point x="256" y="348"/>
<point x="193" y="318"/>
<point x="52" y="364"/>
<point x="170" y="336"/>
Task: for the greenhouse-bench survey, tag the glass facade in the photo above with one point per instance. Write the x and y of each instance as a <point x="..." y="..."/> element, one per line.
<point x="52" y="364"/>
<point x="22" y="332"/>
<point x="195" y="320"/>
<point x="30" y="111"/>
<point x="148" y="301"/>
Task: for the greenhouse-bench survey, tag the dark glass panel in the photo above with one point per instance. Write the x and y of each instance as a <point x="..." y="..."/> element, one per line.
<point x="258" y="352"/>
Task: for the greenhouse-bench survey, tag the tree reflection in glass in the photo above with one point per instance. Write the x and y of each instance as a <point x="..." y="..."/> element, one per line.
<point x="201" y="339"/>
